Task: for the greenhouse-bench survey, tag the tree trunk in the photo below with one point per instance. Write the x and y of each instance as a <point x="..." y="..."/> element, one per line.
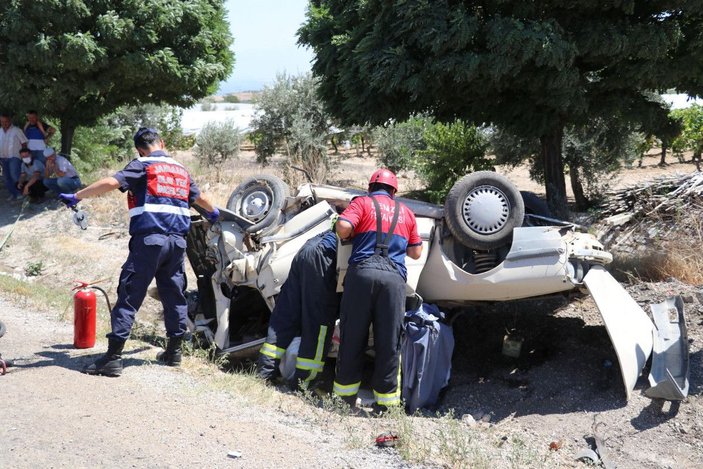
<point x="662" y="161"/>
<point x="582" y="202"/>
<point x="555" y="183"/>
<point x="68" y="129"/>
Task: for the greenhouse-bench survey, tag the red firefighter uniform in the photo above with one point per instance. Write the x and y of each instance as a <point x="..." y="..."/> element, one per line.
<point x="374" y="293"/>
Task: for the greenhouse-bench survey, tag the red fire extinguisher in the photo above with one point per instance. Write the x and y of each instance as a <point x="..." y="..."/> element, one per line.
<point x="84" y="314"/>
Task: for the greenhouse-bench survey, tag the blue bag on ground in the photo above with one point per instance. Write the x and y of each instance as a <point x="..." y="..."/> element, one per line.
<point x="426" y="357"/>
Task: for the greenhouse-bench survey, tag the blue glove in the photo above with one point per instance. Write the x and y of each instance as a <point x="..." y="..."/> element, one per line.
<point x="69" y="199"/>
<point x="213" y="216"/>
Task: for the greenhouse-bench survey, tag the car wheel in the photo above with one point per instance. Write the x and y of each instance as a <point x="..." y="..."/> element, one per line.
<point x="259" y="199"/>
<point x="482" y="209"/>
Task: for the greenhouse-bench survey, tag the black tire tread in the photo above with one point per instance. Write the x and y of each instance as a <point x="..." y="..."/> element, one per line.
<point x="454" y="202"/>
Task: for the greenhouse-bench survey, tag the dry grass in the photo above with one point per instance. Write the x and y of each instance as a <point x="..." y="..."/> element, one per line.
<point x="674" y="254"/>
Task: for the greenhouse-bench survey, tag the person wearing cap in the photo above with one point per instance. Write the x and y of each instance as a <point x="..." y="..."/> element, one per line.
<point x="160" y="192"/>
<point x="59" y="174"/>
<point x="31" y="175"/>
<point x="38" y="133"/>
<point x="382" y="232"/>
<point x="11" y="140"/>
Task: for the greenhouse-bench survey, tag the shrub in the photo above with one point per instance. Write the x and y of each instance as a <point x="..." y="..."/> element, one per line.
<point x="452" y="150"/>
<point x="231" y="98"/>
<point x="691" y="138"/>
<point x="398" y="144"/>
<point x="293" y="122"/>
<point x="216" y="143"/>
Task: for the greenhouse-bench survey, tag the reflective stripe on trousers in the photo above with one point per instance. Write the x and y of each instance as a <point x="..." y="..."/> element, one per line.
<point x="272" y="351"/>
<point x="391" y="398"/>
<point x="344" y="390"/>
<point x="315" y="365"/>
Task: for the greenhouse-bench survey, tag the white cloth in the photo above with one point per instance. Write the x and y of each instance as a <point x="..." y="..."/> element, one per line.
<point x="65" y="166"/>
<point x="11" y="140"/>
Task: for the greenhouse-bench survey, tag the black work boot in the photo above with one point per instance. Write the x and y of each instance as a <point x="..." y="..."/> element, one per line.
<point x="109" y="364"/>
<point x="172" y="355"/>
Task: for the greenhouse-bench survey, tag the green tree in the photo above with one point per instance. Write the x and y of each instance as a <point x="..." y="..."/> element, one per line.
<point x="691" y="138"/>
<point x="452" y="151"/>
<point x="216" y="143"/>
<point x="399" y="144"/>
<point x="78" y="60"/>
<point x="531" y="67"/>
<point x="592" y="152"/>
<point x="293" y="122"/>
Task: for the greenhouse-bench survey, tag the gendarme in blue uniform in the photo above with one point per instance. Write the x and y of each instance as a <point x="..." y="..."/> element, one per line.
<point x="159" y="194"/>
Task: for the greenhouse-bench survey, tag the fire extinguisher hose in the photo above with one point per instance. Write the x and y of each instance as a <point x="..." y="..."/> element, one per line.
<point x="107" y="299"/>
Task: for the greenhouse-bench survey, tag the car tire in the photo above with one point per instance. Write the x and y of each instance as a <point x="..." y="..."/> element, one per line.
<point x="260" y="200"/>
<point x="2" y="329"/>
<point x="482" y="209"/>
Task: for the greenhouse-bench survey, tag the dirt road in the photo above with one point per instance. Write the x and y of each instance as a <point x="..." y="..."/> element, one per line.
<point x="153" y="416"/>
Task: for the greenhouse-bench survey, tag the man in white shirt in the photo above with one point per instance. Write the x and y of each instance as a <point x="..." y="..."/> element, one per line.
<point x="11" y="140"/>
<point x="60" y="176"/>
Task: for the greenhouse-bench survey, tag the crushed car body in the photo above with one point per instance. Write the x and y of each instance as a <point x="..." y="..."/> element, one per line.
<point x="487" y="243"/>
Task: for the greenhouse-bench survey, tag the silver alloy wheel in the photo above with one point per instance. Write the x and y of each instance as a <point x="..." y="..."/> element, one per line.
<point x="256" y="205"/>
<point x="486" y="210"/>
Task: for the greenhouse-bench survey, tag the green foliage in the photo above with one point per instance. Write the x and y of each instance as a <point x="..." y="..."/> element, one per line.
<point x="111" y="138"/>
<point x="82" y="60"/>
<point x="231" y="98"/>
<point x="691" y="138"/>
<point x="216" y="143"/>
<point x="399" y="144"/>
<point x="293" y="122"/>
<point x="452" y="151"/>
<point x="598" y="150"/>
<point x="34" y="269"/>
<point x="206" y="106"/>
<point x="533" y="68"/>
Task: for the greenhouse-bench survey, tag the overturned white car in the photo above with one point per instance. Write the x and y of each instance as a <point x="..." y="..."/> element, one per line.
<point x="488" y="243"/>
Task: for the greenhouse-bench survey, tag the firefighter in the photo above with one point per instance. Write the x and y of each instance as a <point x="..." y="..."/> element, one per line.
<point x="307" y="307"/>
<point x="382" y="232"/>
<point x="159" y="194"/>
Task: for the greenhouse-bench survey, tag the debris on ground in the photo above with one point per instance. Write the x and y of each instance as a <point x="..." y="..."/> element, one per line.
<point x="387" y="440"/>
<point x="635" y="216"/>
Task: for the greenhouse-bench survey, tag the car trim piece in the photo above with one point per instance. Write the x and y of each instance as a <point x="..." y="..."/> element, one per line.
<point x="287" y="236"/>
<point x="628" y="326"/>
<point x="668" y="377"/>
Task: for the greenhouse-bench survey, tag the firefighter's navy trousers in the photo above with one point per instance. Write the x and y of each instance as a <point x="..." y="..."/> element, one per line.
<point x="374" y="293"/>
<point x="152" y="256"/>
<point x="307" y="307"/>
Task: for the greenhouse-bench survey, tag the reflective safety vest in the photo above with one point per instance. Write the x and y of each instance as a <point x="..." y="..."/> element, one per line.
<point x="162" y="205"/>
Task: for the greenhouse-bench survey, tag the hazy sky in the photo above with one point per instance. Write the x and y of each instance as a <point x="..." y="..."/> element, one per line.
<point x="265" y="42"/>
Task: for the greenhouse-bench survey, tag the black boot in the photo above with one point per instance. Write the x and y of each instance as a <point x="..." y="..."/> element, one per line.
<point x="109" y="364"/>
<point x="172" y="355"/>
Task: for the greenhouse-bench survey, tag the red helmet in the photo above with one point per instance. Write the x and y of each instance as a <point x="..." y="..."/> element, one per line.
<point x="384" y="176"/>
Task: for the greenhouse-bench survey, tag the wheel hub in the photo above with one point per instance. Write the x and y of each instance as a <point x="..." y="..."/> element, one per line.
<point x="486" y="210"/>
<point x="256" y="205"/>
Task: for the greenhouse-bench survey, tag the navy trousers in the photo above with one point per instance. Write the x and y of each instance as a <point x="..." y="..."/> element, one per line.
<point x="307" y="307"/>
<point x="152" y="256"/>
<point x="374" y="294"/>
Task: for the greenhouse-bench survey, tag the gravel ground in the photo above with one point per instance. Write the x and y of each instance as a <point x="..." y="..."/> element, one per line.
<point x="152" y="416"/>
